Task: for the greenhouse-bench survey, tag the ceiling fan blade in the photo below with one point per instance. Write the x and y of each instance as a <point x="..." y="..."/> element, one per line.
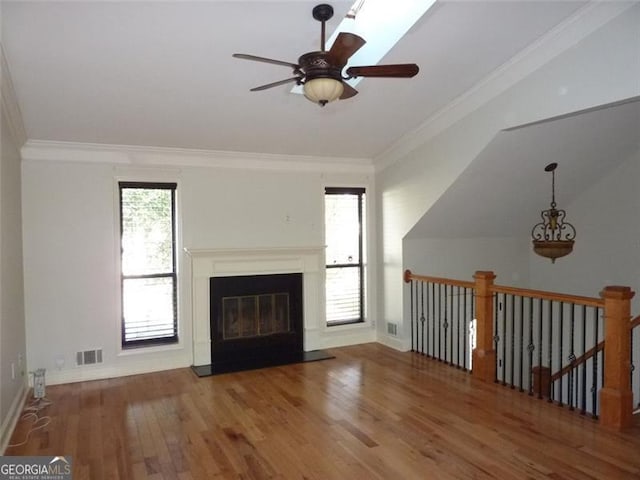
<point x="402" y="70"/>
<point x="275" y="84"/>
<point x="345" y="45"/>
<point x="348" y="92"/>
<point x="245" y="56"/>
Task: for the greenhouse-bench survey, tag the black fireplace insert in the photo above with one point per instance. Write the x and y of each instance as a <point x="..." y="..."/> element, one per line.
<point x="256" y="320"/>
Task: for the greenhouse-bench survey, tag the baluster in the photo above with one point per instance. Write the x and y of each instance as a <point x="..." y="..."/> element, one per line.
<point x="473" y="315"/>
<point x="504" y="339"/>
<point x="583" y="400"/>
<point x="445" y="325"/>
<point x="422" y="316"/>
<point x="572" y="359"/>
<point x="458" y="349"/>
<point x="560" y="342"/>
<point x="633" y="367"/>
<point x="531" y="347"/>
<point x="513" y="340"/>
<point x="451" y="325"/>
<point x="550" y="356"/>
<point x="417" y="300"/>
<point x="594" y="385"/>
<point x="540" y="315"/>
<point x="411" y="318"/>
<point x="425" y="327"/>
<point x="439" y="322"/>
<point x="466" y="329"/>
<point x="496" y="334"/>
<point x="599" y="314"/>
<point x="521" y="344"/>
<point x="472" y="326"/>
<point x="433" y="317"/>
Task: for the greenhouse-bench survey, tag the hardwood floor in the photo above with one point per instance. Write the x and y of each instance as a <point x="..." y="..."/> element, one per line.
<point x="370" y="413"/>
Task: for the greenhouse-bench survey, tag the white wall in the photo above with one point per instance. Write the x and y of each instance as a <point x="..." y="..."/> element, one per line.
<point x="12" y="321"/>
<point x="71" y="249"/>
<point x="600" y="69"/>
<point x="460" y="258"/>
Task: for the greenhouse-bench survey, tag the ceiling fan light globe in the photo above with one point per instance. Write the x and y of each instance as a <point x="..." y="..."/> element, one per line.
<point x="323" y="90"/>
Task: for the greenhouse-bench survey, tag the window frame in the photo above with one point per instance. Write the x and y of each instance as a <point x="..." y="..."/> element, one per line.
<point x="159" y="341"/>
<point x="360" y="265"/>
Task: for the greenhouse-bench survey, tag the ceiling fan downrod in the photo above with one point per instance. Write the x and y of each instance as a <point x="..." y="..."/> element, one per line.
<point x="322" y="13"/>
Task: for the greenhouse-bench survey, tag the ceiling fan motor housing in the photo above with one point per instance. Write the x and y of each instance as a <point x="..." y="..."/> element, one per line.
<point x="318" y="65"/>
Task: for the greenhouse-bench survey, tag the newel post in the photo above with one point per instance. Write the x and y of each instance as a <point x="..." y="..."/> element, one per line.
<point x="616" y="397"/>
<point x="484" y="355"/>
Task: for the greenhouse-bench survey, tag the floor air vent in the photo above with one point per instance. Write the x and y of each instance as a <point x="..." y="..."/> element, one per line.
<point x="89" y="357"/>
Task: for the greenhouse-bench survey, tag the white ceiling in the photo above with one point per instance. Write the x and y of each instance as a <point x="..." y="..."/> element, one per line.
<point x="161" y="73"/>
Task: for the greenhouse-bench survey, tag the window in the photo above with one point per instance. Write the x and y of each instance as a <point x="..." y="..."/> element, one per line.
<point x="344" y="220"/>
<point x="148" y="263"/>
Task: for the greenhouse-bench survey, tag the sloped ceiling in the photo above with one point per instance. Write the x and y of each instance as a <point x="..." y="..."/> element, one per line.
<point x="504" y="189"/>
<point x="161" y="73"/>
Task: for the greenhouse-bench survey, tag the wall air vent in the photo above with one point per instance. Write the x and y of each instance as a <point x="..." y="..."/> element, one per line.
<point x="392" y="329"/>
<point x="89" y="357"/>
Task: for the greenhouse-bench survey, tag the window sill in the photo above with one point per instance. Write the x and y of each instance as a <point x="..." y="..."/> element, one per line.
<point x="141" y="350"/>
<point x="341" y="327"/>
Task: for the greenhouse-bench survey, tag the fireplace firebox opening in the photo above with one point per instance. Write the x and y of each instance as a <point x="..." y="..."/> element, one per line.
<point x="256" y="320"/>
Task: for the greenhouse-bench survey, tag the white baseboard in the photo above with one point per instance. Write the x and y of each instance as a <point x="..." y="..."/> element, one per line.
<point x="101" y="372"/>
<point x="394" y="342"/>
<point x="339" y="336"/>
<point x="12" y="417"/>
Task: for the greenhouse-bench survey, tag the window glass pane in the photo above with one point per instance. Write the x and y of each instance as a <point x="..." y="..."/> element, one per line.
<point x="342" y="229"/>
<point x="148" y="308"/>
<point x="147" y="240"/>
<point x="343" y="294"/>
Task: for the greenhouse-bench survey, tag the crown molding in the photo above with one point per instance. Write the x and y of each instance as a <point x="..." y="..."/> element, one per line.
<point x="10" y="103"/>
<point x="141" y="156"/>
<point x="563" y="36"/>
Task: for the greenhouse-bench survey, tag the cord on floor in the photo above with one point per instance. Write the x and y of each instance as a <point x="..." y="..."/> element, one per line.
<point x="32" y="412"/>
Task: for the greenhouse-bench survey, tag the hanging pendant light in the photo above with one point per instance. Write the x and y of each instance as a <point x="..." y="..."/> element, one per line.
<point x="553" y="237"/>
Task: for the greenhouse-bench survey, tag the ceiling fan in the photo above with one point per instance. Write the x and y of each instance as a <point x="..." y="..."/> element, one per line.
<point x="320" y="73"/>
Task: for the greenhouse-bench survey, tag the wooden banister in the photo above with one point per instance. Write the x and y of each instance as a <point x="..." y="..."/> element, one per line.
<point x="522" y="292"/>
<point x="553" y="296"/>
<point x="408" y="276"/>
<point x="588" y="354"/>
<point x="578" y="361"/>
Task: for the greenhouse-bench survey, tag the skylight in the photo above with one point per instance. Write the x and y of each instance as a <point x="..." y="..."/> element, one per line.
<point x="382" y="24"/>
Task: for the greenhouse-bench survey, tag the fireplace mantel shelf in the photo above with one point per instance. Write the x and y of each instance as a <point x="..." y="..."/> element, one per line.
<point x="208" y="252"/>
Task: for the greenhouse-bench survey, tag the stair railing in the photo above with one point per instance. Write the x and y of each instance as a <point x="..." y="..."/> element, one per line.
<point x="442" y="313"/>
<point x="543" y="343"/>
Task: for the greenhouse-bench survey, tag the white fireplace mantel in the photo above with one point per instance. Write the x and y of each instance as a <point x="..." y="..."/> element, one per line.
<point x="208" y="263"/>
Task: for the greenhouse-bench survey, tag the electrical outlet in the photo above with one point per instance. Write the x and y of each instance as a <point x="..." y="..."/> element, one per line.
<point x="60" y="362"/>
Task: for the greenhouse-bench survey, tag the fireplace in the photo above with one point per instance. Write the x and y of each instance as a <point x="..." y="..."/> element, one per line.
<point x="208" y="264"/>
<point x="256" y="320"/>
